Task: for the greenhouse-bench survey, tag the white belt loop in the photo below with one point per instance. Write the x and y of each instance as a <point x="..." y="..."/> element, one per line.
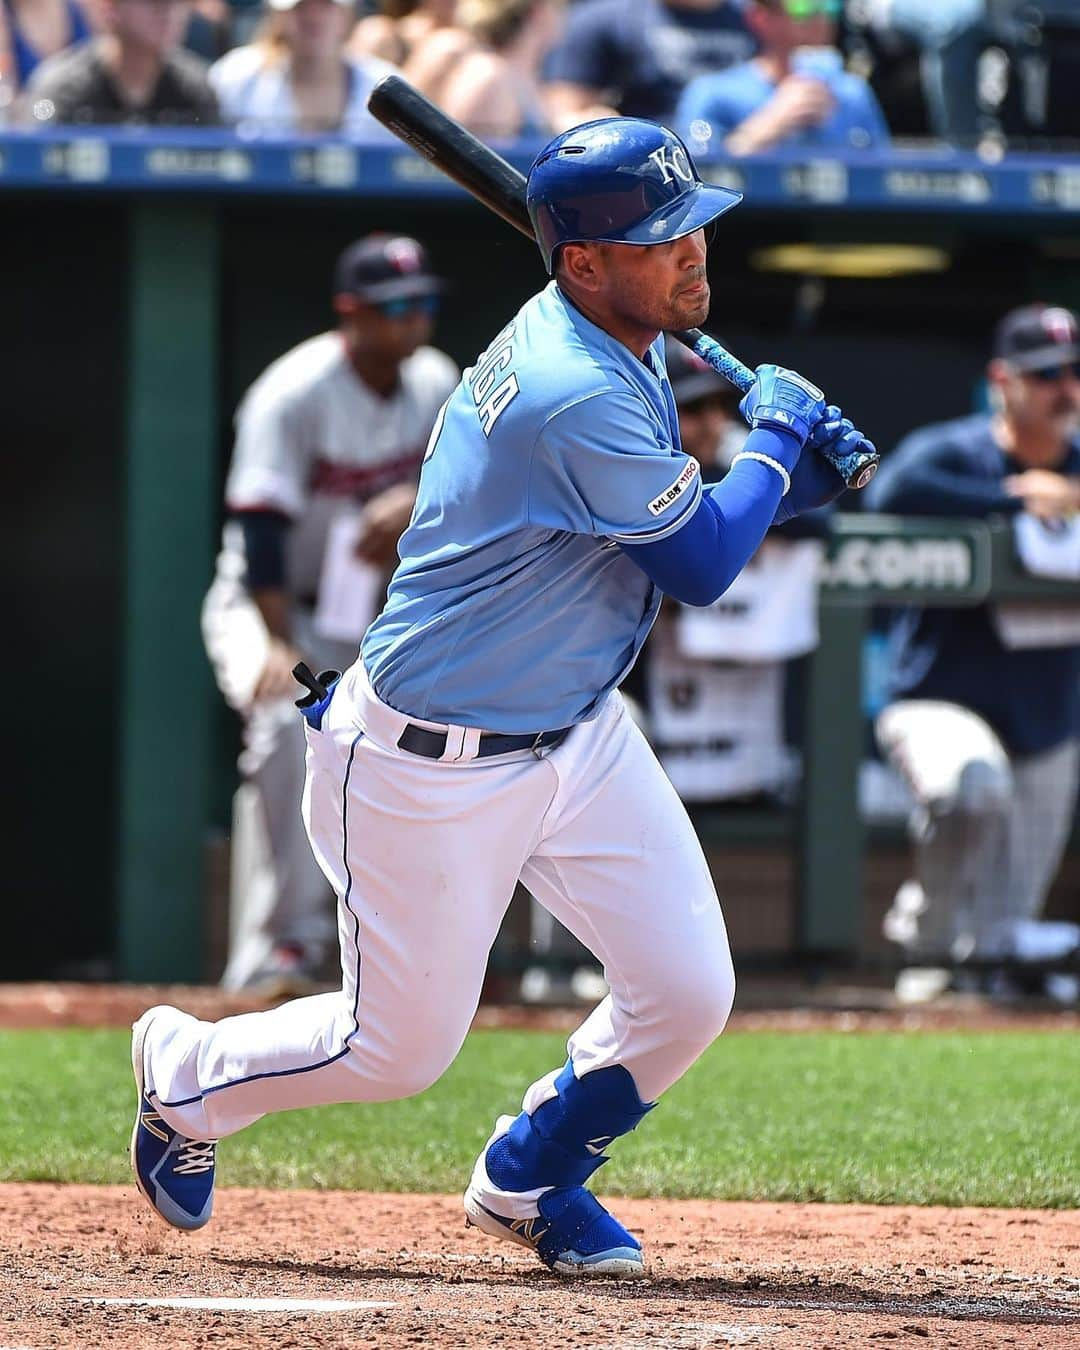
<point x="385" y="725"/>
<point x="455" y="743"/>
<point x="470" y="745"/>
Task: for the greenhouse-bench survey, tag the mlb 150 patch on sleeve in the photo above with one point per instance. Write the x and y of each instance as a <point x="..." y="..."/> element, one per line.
<point x="676" y="490"/>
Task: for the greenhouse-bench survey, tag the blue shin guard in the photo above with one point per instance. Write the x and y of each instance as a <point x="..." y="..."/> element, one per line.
<point x="562" y="1142"/>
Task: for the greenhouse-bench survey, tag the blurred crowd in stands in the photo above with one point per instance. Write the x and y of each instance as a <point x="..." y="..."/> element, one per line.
<point x="733" y="76"/>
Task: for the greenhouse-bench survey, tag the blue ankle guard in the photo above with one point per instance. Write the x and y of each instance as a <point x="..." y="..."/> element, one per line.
<point x="562" y="1143"/>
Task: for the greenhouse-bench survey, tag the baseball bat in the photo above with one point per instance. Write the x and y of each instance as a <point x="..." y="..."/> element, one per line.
<point x="415" y="120"/>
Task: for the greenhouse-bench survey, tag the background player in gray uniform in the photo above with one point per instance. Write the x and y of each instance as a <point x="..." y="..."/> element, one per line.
<point x="480" y="737"/>
<point x="328" y="439"/>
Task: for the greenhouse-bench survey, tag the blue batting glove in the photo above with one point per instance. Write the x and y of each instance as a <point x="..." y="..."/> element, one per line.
<point x="814" y="481"/>
<point x="838" y="434"/>
<point x="784" y="401"/>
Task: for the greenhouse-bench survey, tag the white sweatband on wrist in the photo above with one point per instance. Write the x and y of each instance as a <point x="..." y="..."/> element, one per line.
<point x="772" y="463"/>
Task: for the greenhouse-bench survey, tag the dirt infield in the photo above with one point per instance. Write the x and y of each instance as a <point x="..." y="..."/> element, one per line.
<point x="778" y="1276"/>
<point x="393" y="1271"/>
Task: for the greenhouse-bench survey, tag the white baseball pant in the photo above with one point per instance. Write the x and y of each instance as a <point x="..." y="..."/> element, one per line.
<point x="989" y="828"/>
<point x="424" y="856"/>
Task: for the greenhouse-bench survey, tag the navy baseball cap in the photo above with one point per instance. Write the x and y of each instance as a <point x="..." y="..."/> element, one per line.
<point x="692" y="378"/>
<point x="384" y="267"/>
<point x="1035" y="337"/>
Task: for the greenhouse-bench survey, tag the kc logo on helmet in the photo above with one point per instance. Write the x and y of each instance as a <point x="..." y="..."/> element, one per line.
<point x="673" y="162"/>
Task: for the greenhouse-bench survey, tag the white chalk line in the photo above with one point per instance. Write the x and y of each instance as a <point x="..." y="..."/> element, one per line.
<point x="249" y="1305"/>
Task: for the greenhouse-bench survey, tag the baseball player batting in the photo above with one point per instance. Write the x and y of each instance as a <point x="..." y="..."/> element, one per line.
<point x="480" y="737"/>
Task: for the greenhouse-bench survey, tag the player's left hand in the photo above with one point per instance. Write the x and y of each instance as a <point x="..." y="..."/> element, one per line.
<point x="814" y="481"/>
<point x="382" y="522"/>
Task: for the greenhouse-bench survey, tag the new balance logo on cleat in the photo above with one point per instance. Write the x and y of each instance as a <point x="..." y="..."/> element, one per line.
<point x="174" y="1174"/>
<point x="530" y="1229"/>
<point x="150" y="1120"/>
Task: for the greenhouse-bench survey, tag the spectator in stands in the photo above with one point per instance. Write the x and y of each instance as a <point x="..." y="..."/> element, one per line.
<point x="210" y="29"/>
<point x="38" y="29"/>
<point x="134" y="72"/>
<point x="1029" y="68"/>
<point x="633" y="57"/>
<point x="486" y="71"/>
<point x="398" y="28"/>
<point x="986" y="723"/>
<point x="296" y="74"/>
<point x="434" y="57"/>
<point x="795" y="91"/>
<point x="7" y="68"/>
<point x="948" y="36"/>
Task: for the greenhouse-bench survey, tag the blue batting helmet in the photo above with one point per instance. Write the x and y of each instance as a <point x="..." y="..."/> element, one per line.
<point x="621" y="180"/>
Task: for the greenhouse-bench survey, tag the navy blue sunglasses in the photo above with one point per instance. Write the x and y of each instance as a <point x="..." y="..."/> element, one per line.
<point x="1048" y="374"/>
<point x="409" y="304"/>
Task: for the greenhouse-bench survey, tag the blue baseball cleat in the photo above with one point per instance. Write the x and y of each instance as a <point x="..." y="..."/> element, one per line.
<point x="175" y="1174"/>
<point x="566" y="1226"/>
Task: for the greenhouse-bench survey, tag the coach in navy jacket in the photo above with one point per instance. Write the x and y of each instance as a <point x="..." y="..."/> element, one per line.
<point x="985" y="732"/>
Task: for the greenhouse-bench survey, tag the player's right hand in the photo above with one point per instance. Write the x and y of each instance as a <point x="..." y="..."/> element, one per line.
<point x="784" y="401"/>
<point x="276" y="680"/>
<point x="815" y="480"/>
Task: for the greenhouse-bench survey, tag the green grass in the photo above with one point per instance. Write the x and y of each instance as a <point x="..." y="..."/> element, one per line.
<point x="954" y="1119"/>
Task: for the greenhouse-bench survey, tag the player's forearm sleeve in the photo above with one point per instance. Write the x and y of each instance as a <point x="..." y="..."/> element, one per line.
<point x="700" y="560"/>
<point x="264" y="549"/>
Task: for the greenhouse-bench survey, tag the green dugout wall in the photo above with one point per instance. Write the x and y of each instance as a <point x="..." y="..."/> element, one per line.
<point x="131" y="325"/>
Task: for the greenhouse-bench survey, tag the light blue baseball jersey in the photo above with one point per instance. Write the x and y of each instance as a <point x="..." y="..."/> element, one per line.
<point x="512" y="608"/>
